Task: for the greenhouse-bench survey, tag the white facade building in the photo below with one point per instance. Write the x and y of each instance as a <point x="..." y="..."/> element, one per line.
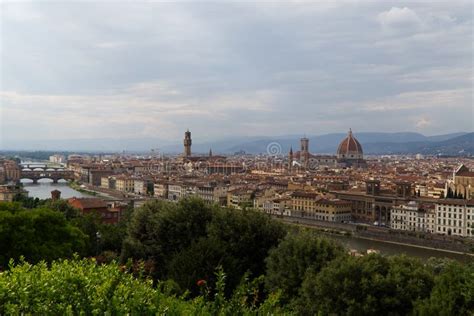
<point x="413" y="217"/>
<point x="455" y="217"/>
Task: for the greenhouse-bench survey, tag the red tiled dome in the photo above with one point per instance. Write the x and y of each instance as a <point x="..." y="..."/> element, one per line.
<point x="350" y="148"/>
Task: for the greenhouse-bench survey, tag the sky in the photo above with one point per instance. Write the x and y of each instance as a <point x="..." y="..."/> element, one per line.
<point x="108" y="69"/>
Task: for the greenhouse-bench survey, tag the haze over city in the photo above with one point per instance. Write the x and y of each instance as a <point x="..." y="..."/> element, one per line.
<point x="86" y="70"/>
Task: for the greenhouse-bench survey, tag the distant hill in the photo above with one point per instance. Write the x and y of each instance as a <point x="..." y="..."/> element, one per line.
<point x="460" y="145"/>
<point x="372" y="143"/>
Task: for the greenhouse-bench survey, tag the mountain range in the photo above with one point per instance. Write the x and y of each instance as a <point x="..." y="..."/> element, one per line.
<point x="461" y="143"/>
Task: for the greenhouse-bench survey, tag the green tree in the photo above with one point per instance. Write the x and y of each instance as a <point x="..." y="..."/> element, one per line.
<point x="370" y="285"/>
<point x="63" y="207"/>
<point x="452" y="294"/>
<point x="246" y="236"/>
<point x="37" y="234"/>
<point x="237" y="240"/>
<point x="288" y="263"/>
<point x="159" y="230"/>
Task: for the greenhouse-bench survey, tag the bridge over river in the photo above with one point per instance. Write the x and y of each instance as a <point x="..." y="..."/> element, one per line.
<point x="37" y="172"/>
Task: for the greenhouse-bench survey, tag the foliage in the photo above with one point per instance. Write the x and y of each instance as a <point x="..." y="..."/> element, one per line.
<point x="27" y="202"/>
<point x="299" y="252"/>
<point x="370" y="285"/>
<point x="189" y="239"/>
<point x="160" y="229"/>
<point x="37" y="234"/>
<point x="245" y="237"/>
<point x="452" y="294"/>
<point x="83" y="287"/>
<point x="63" y="207"/>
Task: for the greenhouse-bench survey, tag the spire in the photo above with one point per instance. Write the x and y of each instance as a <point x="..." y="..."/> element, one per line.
<point x="210" y="152"/>
<point x="291" y="150"/>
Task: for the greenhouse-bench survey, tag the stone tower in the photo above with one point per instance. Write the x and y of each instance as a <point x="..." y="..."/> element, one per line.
<point x="187" y="143"/>
<point x="290" y="160"/>
<point x="304" y="153"/>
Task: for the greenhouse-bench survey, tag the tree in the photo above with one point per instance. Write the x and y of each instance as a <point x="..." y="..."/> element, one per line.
<point x="158" y="230"/>
<point x="299" y="252"/>
<point x="37" y="234"/>
<point x="189" y="239"/>
<point x="245" y="237"/>
<point x="369" y="285"/>
<point x="63" y="207"/>
<point x="452" y="294"/>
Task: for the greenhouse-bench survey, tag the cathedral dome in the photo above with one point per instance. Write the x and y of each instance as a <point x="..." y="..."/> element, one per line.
<point x="350" y="148"/>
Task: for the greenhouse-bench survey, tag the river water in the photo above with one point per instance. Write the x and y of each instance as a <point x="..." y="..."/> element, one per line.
<point x="362" y="245"/>
<point x="44" y="187"/>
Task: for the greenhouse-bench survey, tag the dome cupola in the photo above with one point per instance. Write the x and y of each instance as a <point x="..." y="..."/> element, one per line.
<point x="349" y="148"/>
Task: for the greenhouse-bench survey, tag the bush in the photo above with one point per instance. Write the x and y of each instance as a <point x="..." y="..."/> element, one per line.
<point x="81" y="287"/>
<point x="299" y="252"/>
<point x="370" y="285"/>
<point x="37" y="234"/>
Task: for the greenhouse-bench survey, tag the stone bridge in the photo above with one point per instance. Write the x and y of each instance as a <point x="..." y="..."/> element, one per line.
<point x="40" y="167"/>
<point x="55" y="175"/>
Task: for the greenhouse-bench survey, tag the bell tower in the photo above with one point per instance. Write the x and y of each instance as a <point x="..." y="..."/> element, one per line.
<point x="290" y="160"/>
<point x="304" y="153"/>
<point x="187" y="143"/>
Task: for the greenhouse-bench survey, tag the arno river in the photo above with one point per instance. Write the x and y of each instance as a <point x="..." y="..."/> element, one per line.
<point x="44" y="187"/>
<point x="43" y="190"/>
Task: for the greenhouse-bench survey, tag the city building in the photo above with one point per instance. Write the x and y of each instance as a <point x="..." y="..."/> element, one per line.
<point x="413" y="217"/>
<point x="124" y="183"/>
<point x="315" y="206"/>
<point x="160" y="189"/>
<point x="58" y="159"/>
<point x="109" y="212"/>
<point x="461" y="185"/>
<point x="455" y="217"/>
<point x="240" y="198"/>
<point x="9" y="191"/>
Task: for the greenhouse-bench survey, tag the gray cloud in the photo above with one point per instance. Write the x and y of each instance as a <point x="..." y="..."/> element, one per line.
<point x="153" y="69"/>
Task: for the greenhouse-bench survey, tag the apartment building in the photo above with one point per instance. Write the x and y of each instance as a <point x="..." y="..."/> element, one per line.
<point x="455" y="217"/>
<point x="413" y="217"/>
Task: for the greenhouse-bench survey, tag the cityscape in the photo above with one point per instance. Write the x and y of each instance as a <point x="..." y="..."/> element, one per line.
<point x="151" y="190"/>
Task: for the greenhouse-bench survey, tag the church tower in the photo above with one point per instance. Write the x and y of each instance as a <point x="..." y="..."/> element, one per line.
<point x="187" y="143"/>
<point x="304" y="153"/>
<point x="290" y="160"/>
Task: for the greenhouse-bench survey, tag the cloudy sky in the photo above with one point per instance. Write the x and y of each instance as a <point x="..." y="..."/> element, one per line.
<point x="90" y="69"/>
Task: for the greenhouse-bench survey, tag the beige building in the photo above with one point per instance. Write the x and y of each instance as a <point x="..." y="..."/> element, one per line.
<point x="238" y="198"/>
<point x="160" y="189"/>
<point x="314" y="206"/>
<point x="124" y="183"/>
<point x="212" y="193"/>
<point x="8" y="192"/>
<point x="278" y="206"/>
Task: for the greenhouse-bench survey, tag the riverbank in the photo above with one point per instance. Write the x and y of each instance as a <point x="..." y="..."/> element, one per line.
<point x="418" y="246"/>
<point x="440" y="244"/>
<point x="74" y="185"/>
